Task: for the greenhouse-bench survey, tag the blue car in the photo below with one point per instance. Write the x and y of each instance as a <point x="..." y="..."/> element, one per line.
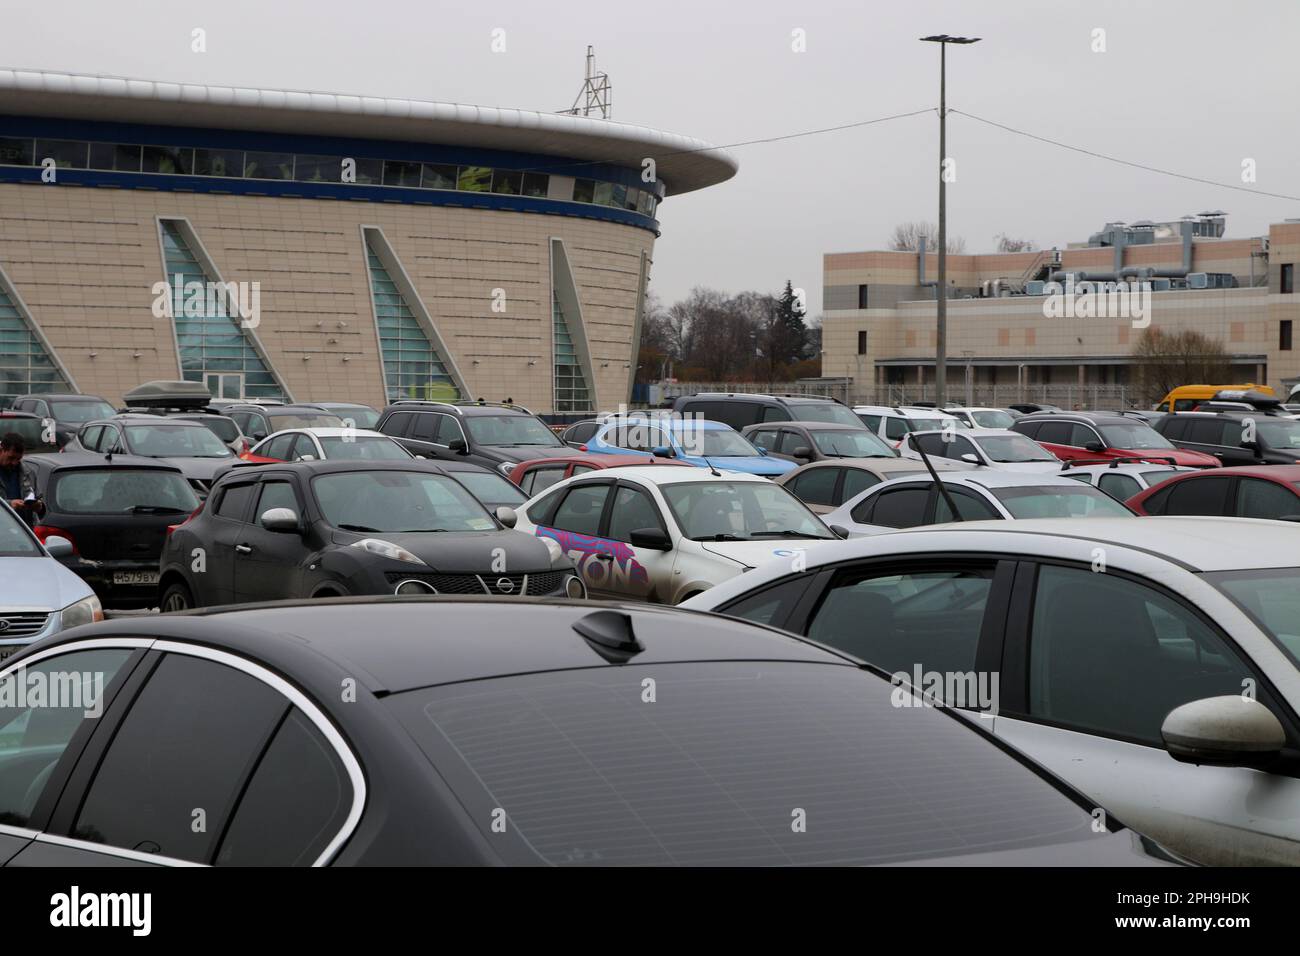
<point x="694" y="441"/>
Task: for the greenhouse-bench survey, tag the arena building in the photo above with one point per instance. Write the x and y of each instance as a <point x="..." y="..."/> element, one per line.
<point x="316" y="246"/>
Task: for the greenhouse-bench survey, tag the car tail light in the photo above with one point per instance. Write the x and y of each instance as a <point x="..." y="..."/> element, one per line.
<point x="188" y="518"/>
<point x="582" y="447"/>
<point x="43" y="531"/>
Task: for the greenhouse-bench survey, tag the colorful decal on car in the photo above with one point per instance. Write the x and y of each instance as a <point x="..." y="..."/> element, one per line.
<point x="624" y="572"/>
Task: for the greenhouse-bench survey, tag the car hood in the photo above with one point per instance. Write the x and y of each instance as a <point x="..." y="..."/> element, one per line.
<point x="748" y="465"/>
<point x="466" y="550"/>
<point x="751" y="554"/>
<point x="40" y="582"/>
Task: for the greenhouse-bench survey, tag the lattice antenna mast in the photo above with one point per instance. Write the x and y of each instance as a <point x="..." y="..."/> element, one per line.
<point x="596" y="93"/>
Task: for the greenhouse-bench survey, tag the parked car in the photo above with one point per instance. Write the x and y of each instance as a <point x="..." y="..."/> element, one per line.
<point x="739" y="409"/>
<point x="36" y="435"/>
<point x="978" y="496"/>
<point x="353" y="414"/>
<point x="802" y="442"/>
<point x="705" y="444"/>
<point x="328" y="528"/>
<point x="220" y="425"/>
<point x="38" y="595"/>
<point x="490" y="487"/>
<point x="662" y="534"/>
<point x="892" y="424"/>
<point x="1184" y="398"/>
<point x="535" y="476"/>
<point x="1122" y="479"/>
<point x="1243" y="437"/>
<point x="1152" y="663"/>
<point x="115" y="513"/>
<point x="474" y="748"/>
<point x="981" y="417"/>
<point x="190" y="446"/>
<point x="576" y="435"/>
<point x="986" y="447"/>
<point x="825" y="485"/>
<point x="1030" y="408"/>
<point x="320" y="444"/>
<point x="69" y="411"/>
<point x="1094" y="435"/>
<point x="491" y="434"/>
<point x="262" y="420"/>
<point x="1249" y="492"/>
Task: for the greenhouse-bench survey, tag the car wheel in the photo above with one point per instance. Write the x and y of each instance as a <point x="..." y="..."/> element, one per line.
<point x="177" y="597"/>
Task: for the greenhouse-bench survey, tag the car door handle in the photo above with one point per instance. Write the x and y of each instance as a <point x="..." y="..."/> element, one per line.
<point x="604" y="557"/>
<point x="243" y="549"/>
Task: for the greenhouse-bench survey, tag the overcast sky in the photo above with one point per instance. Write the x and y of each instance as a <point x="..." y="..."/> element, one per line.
<point x="1193" y="86"/>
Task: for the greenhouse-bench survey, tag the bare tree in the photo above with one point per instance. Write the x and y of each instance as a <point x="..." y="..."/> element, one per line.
<point x="1011" y="244"/>
<point x="1165" y="360"/>
<point x="906" y="238"/>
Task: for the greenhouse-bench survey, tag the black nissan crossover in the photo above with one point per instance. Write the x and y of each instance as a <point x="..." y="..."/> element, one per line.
<point x="329" y="528"/>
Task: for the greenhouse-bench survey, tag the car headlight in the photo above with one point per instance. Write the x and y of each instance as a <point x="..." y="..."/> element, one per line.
<point x="506" y="467"/>
<point x="386" y="549"/>
<point x="553" y="546"/>
<point x="83" y="612"/>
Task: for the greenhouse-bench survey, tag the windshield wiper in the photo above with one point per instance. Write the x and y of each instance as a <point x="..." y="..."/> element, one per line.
<point x="363" y="528"/>
<point x="724" y="536"/>
<point x="157" y="510"/>
<point x="787" y="534"/>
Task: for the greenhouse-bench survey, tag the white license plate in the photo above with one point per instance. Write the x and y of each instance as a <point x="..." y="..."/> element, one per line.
<point x="135" y="577"/>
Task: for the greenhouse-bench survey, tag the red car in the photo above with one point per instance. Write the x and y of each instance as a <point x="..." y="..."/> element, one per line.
<point x="1248" y="491"/>
<point x="1100" y="436"/>
<point x="540" y="473"/>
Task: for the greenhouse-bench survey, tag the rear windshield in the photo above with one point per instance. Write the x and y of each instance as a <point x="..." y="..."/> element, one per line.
<point x="279" y="422"/>
<point x="737" y="764"/>
<point x="174" y="441"/>
<point x="359" y="417"/>
<point x="224" y="428"/>
<point x="363" y="448"/>
<point x="491" y="489"/>
<point x="832" y="412"/>
<point x="79" y="412"/>
<point x="122" y="491"/>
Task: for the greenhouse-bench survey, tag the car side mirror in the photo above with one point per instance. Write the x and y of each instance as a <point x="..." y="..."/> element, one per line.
<point x="971" y="457"/>
<point x="661" y="451"/>
<point x="1222" y="731"/>
<point x="59" y="546"/>
<point x="283" y="520"/>
<point x="507" y="516"/>
<point x="803" y="451"/>
<point x="459" y="446"/>
<point x="1094" y="446"/>
<point x="306" y="458"/>
<point x="839" y="531"/>
<point x="655" y="539"/>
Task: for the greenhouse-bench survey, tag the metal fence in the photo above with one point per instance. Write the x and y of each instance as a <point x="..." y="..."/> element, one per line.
<point x="1083" y="397"/>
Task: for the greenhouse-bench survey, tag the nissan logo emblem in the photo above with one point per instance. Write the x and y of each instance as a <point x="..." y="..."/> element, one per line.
<point x="505" y="586"/>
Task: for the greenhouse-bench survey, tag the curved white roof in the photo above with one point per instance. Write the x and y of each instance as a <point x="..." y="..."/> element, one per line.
<point x="682" y="162"/>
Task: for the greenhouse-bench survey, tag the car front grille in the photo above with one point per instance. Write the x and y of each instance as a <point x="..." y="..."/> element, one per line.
<point x="22" y="623"/>
<point x="509" y="585"/>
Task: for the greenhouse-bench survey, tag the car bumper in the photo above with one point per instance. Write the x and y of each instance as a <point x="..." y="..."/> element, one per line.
<point x="552" y="582"/>
<point x="102" y="576"/>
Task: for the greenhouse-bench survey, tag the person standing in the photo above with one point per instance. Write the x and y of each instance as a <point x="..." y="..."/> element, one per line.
<point x="15" y="482"/>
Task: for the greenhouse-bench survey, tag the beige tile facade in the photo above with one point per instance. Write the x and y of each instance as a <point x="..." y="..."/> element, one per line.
<point x="84" y="261"/>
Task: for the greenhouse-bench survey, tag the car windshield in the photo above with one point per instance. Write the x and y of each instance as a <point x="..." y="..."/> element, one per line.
<point x="1005" y="449"/>
<point x="490" y="488"/>
<point x="15" y="540"/>
<point x="281" y="421"/>
<point x="832" y="412"/>
<point x="360" y="417"/>
<point x="363" y="448"/>
<point x="740" y="511"/>
<point x="31" y="430"/>
<point x="852" y="443"/>
<point x="714" y="442"/>
<point x="79" y="412"/>
<point x="174" y="441"/>
<point x="1279" y="433"/>
<point x="122" y="491"/>
<point x="221" y="426"/>
<point x="511" y="430"/>
<point x="741" y="745"/>
<point x="1055" y="501"/>
<point x="931" y="424"/>
<point x="1133" y="435"/>
<point x="993" y="418"/>
<point x="1271" y="597"/>
<point x="379" y="502"/>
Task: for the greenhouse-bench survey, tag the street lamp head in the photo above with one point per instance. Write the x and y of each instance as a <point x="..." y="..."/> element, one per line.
<point x="944" y="38"/>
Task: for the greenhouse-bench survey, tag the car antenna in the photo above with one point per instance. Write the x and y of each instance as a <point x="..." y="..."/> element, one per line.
<point x="713" y="471"/>
<point x="952" y="508"/>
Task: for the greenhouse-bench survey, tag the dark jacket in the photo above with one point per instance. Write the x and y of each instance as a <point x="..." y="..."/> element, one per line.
<point x="16" y="484"/>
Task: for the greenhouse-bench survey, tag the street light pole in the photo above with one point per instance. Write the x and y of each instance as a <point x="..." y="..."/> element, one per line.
<point x="941" y="304"/>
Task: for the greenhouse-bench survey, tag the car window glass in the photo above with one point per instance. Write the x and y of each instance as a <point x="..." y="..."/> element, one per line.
<point x="581" y="470"/>
<point x="90" y="437"/>
<point x="1113" y="656"/>
<point x="1054" y="433"/>
<point x="970" y="507"/>
<point x="277" y="494"/>
<point x="1206" y="431"/>
<point x="1175" y="429"/>
<point x="871" y="421"/>
<point x="764" y="438"/>
<point x="180" y="757"/>
<point x="925" y="619"/>
<point x="297" y="799"/>
<point x="234" y="501"/>
<point x="1257" y="498"/>
<point x="34" y="733"/>
<point x="303" y="448"/>
<point x="539" y="479"/>
<point x="899" y="507"/>
<point x="448" y="430"/>
<point x="278" y="447"/>
<point x="816" y="486"/>
<point x="1119" y="486"/>
<point x="895" y="428"/>
<point x="1081" y="436"/>
<point x="395" y="424"/>
<point x="856" y="481"/>
<point x="774" y="413"/>
<point x="1198" y="496"/>
<point x="538" y="512"/>
<point x="633" y="511"/>
<point x="426" y="426"/>
<point x="581" y="508"/>
<point x="772" y="604"/>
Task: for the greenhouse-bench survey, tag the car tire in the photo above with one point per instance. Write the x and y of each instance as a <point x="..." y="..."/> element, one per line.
<point x="177" y="597"/>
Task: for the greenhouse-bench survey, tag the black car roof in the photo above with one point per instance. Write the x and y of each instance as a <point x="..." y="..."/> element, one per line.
<point x="67" y="461"/>
<point x="811" y="426"/>
<point x="1095" y="418"/>
<point x="275" y="409"/>
<point x="393" y="644"/>
<point x="326" y="467"/>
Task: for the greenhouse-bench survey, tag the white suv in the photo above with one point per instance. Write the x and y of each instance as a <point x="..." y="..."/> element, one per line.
<point x="893" y="422"/>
